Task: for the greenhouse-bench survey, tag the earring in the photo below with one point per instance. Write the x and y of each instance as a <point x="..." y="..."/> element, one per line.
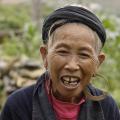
<point x="45" y="64"/>
<point x="94" y="74"/>
<point x="88" y="95"/>
<point x="99" y="81"/>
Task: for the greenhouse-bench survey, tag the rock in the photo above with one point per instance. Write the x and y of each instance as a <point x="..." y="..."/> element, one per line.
<point x="19" y="72"/>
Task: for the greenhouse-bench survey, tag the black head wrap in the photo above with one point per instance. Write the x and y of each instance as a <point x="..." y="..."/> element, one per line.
<point x="73" y="14"/>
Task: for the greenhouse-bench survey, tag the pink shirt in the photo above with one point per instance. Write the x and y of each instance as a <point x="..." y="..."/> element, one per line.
<point x="64" y="110"/>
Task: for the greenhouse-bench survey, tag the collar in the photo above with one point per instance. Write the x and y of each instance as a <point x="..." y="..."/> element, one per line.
<point x="40" y="80"/>
<point x="42" y="109"/>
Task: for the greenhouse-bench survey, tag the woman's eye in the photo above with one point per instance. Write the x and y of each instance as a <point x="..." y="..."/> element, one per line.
<point x="62" y="52"/>
<point x="84" y="55"/>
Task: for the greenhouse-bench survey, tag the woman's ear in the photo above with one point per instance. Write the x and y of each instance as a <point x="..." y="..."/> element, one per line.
<point x="43" y="51"/>
<point x="101" y="58"/>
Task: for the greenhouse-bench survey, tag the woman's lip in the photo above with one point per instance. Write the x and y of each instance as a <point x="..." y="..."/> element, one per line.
<point x="70" y="83"/>
<point x="70" y="78"/>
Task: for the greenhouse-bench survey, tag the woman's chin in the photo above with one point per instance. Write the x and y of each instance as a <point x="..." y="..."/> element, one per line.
<point x="66" y="96"/>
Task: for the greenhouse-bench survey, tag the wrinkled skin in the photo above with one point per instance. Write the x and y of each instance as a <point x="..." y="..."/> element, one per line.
<point x="71" y="59"/>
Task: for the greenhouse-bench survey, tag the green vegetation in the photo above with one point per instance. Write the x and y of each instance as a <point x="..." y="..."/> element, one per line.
<point x="111" y="67"/>
<point x="27" y="41"/>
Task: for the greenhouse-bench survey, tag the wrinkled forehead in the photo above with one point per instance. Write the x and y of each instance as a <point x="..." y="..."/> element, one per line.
<point x="73" y="29"/>
<point x="73" y="32"/>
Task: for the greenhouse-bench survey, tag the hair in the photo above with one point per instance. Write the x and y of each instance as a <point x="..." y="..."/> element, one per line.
<point x="98" y="45"/>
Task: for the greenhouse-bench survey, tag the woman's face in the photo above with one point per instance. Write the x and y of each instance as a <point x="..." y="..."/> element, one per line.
<point x="71" y="60"/>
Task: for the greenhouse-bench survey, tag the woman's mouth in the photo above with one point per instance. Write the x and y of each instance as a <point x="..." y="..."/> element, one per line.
<point x="70" y="82"/>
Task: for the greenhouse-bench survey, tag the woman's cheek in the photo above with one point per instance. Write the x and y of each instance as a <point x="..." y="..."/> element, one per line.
<point x="57" y="60"/>
<point x="89" y="67"/>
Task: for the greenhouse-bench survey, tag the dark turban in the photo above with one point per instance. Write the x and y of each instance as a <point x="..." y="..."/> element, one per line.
<point x="73" y="14"/>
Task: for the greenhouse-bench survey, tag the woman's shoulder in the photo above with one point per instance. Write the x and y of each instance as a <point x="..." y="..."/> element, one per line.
<point x="21" y="93"/>
<point x="109" y="106"/>
<point x="108" y="100"/>
<point x="18" y="104"/>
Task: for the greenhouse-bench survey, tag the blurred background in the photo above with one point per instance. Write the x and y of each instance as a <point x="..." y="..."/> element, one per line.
<point x="20" y="39"/>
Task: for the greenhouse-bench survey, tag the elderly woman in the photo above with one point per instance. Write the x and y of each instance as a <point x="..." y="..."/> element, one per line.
<point x="73" y="38"/>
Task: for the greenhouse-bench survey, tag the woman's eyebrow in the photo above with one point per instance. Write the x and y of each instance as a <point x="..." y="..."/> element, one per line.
<point x="87" y="48"/>
<point x="62" y="45"/>
<point x="82" y="48"/>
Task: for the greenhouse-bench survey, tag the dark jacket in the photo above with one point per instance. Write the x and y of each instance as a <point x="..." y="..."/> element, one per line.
<point x="32" y="103"/>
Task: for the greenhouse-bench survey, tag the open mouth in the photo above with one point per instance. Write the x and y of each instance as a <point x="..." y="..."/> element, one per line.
<point x="70" y="81"/>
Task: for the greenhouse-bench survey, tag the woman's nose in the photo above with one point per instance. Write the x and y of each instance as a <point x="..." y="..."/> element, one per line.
<point x="72" y="64"/>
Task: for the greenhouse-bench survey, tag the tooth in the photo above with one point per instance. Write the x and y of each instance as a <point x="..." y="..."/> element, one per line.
<point x="73" y="83"/>
<point x="66" y="78"/>
<point x="73" y="79"/>
<point x="66" y="82"/>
